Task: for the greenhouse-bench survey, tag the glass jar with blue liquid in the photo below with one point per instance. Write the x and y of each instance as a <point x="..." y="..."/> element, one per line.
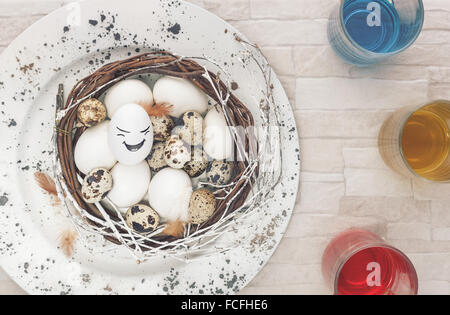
<point x="364" y="32"/>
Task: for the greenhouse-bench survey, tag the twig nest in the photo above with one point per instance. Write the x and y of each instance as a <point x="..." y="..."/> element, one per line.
<point x="162" y="127"/>
<point x="96" y="185"/>
<point x="201" y="206"/>
<point x="129" y="91"/>
<point x="156" y="159"/>
<point x="91" y="112"/>
<point x="219" y="172"/>
<point x="169" y="194"/>
<point x="217" y="139"/>
<point x="130" y="184"/>
<point x="198" y="163"/>
<point x="142" y="219"/>
<point x="177" y="153"/>
<point x="191" y="130"/>
<point x="92" y="149"/>
<point x="182" y="94"/>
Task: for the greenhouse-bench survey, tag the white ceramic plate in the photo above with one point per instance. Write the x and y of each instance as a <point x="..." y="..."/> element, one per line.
<point x="64" y="47"/>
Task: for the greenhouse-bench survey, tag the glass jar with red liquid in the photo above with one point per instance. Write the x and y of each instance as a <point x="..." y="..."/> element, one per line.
<point x="358" y="262"/>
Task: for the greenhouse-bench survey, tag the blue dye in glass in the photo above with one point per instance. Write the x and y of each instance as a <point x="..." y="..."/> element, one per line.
<point x="372" y="24"/>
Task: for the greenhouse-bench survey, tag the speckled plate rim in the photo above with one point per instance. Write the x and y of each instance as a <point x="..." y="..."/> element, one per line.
<point x="17" y="228"/>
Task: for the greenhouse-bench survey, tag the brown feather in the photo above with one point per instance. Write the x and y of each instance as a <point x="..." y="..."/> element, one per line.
<point x="159" y="110"/>
<point x="67" y="241"/>
<point x="175" y="229"/>
<point x="46" y="183"/>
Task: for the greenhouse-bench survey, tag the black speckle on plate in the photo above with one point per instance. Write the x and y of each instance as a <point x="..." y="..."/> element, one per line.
<point x="3" y="200"/>
<point x="175" y="29"/>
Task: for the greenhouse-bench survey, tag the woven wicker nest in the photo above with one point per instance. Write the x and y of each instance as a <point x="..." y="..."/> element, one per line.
<point x="109" y="223"/>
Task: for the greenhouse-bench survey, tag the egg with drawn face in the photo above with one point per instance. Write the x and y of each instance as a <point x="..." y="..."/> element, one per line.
<point x="130" y="134"/>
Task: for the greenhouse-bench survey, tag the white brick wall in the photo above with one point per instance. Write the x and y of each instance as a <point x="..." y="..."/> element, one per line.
<point x="344" y="182"/>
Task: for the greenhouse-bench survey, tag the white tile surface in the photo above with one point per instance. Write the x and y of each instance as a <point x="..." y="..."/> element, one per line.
<point x="344" y="183"/>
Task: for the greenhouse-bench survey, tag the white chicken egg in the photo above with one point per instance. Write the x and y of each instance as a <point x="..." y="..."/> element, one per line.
<point x="217" y="140"/>
<point x="130" y="135"/>
<point x="130" y="184"/>
<point x="183" y="95"/>
<point x="127" y="92"/>
<point x="169" y="194"/>
<point x="92" y="150"/>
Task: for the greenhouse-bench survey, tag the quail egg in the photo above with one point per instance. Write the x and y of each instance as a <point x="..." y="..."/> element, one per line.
<point x="219" y="172"/>
<point x="156" y="159"/>
<point x="191" y="130"/>
<point x="96" y="185"/>
<point x="91" y="112"/>
<point x="202" y="206"/>
<point x="198" y="163"/>
<point x="176" y="153"/>
<point x="142" y="219"/>
<point x="162" y="127"/>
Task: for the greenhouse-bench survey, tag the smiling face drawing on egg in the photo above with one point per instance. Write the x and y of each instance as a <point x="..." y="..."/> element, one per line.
<point x="130" y="134"/>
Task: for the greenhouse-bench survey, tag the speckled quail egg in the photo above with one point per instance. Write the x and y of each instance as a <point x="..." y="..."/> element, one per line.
<point x="219" y="172"/>
<point x="91" y="112"/>
<point x="198" y="163"/>
<point x="142" y="219"/>
<point x="191" y="130"/>
<point x="162" y="127"/>
<point x="176" y="153"/>
<point x="201" y="206"/>
<point x="96" y="185"/>
<point x="156" y="159"/>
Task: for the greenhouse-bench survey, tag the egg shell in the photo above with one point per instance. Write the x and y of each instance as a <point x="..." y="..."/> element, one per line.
<point x="169" y="194"/>
<point x="182" y="94"/>
<point x="92" y="149"/>
<point x="142" y="219"/>
<point x="176" y="152"/>
<point x="156" y="159"/>
<point x="130" y="134"/>
<point x="162" y="127"/>
<point x="217" y="140"/>
<point x="219" y="172"/>
<point x="91" y="112"/>
<point x="130" y="184"/>
<point x="191" y="131"/>
<point x="198" y="163"/>
<point x="96" y="185"/>
<point x="201" y="206"/>
<point x="129" y="91"/>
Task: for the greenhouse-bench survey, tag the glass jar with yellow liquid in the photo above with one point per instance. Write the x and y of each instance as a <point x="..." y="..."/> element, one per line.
<point x="416" y="141"/>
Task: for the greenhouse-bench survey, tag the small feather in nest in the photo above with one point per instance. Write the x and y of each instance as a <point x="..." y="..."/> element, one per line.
<point x="46" y="183"/>
<point x="175" y="229"/>
<point x="67" y="241"/>
<point x="159" y="110"/>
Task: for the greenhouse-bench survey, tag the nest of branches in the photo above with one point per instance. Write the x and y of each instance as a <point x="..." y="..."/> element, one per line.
<point x="107" y="221"/>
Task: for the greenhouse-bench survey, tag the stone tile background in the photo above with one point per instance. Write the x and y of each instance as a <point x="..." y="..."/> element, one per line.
<point x="344" y="181"/>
